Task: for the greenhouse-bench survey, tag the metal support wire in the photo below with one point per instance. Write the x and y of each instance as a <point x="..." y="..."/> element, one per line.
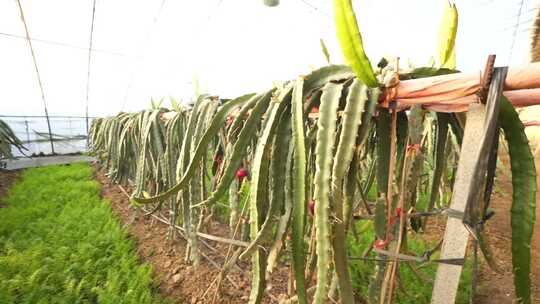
<point x="61" y="44"/>
<point x="140" y="54"/>
<point x="89" y="62"/>
<point x="41" y="116"/>
<point x="515" y="31"/>
<point x="37" y="73"/>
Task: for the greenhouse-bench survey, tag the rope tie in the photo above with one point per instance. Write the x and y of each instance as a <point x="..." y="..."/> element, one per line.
<point x="390" y="85"/>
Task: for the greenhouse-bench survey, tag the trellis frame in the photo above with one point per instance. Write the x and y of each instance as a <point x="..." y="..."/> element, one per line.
<point x="478" y="140"/>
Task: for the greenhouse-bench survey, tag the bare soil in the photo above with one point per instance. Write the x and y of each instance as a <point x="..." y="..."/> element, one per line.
<point x="7" y="178"/>
<point x="179" y="280"/>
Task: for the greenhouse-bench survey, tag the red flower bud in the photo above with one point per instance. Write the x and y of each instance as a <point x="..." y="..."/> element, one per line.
<point x="380" y="244"/>
<point x="241" y="173"/>
<point x="311" y="207"/>
<point x="413" y="148"/>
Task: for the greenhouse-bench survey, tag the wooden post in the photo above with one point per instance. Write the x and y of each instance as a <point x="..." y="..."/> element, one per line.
<point x="477" y="141"/>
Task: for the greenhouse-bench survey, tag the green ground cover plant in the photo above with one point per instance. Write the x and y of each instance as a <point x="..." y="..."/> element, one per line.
<point x="60" y="243"/>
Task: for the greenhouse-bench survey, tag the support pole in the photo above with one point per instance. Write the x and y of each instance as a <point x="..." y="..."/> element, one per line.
<point x="88" y="68"/>
<point x="37" y="74"/>
<point x="478" y="138"/>
<point x="27" y="132"/>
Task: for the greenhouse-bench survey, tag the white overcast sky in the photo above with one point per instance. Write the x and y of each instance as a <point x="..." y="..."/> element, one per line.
<point x="232" y="46"/>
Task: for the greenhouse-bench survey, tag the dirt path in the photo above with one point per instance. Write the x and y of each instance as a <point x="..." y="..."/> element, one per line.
<point x="179" y="281"/>
<point x="498" y="287"/>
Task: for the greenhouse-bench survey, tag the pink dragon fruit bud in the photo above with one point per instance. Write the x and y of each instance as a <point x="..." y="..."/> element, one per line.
<point x="311" y="207"/>
<point x="241" y="173"/>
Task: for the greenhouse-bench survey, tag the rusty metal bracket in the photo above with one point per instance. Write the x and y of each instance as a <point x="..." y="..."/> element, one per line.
<point x="486" y="79"/>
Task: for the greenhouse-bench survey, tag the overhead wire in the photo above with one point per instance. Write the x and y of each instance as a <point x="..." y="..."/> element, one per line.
<point x="198" y="36"/>
<point x="37" y="73"/>
<point x="41" y="116"/>
<point x="140" y="55"/>
<point x="515" y="30"/>
<point x="527" y="11"/>
<point x="518" y="24"/>
<point x="315" y="8"/>
<point x="62" y="44"/>
<point x="130" y="84"/>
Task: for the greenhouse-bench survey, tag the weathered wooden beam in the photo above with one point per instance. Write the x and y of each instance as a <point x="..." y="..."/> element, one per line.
<point x="478" y="138"/>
